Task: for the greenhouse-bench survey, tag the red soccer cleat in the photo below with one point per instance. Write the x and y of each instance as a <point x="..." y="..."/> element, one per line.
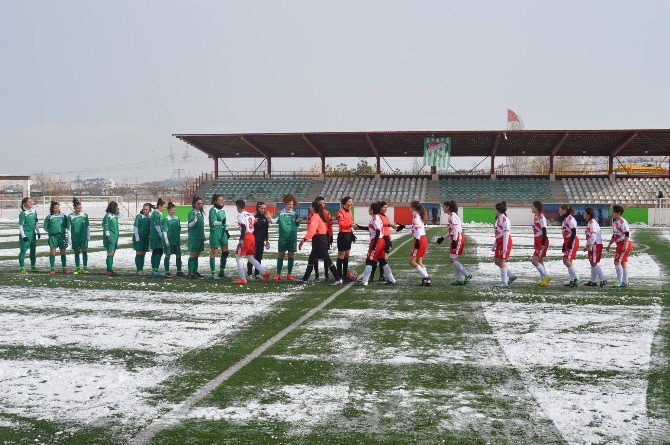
<point x="266" y="276"/>
<point x="289" y="277"/>
<point x="65" y="271"/>
<point x="240" y="281"/>
<point x="277" y="277"/>
<point x="52" y="272"/>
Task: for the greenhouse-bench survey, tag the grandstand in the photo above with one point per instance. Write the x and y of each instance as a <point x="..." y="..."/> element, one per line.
<point x="485" y="190"/>
<point x="606" y="186"/>
<point x="630" y="191"/>
<point x="366" y="190"/>
<point x="271" y="189"/>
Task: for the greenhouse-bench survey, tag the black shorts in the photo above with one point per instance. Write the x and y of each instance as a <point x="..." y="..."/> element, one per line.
<point x="319" y="248"/>
<point x="344" y="240"/>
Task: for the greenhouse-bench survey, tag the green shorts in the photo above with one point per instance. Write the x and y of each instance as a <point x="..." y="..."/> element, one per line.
<point x="196" y="245"/>
<point x="174" y="249"/>
<point x="110" y="247"/>
<point x="57" y="241"/>
<point x="157" y="243"/>
<point x="27" y="244"/>
<point x="287" y="245"/>
<point x="142" y="245"/>
<point x="218" y="240"/>
<point x="79" y="245"/>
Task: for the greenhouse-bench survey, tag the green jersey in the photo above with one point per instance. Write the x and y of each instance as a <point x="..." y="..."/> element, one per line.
<point x="56" y="224"/>
<point x="172" y="230"/>
<point x="80" y="230"/>
<point x="142" y="223"/>
<point x="27" y="223"/>
<point x="288" y="224"/>
<point x="110" y="228"/>
<point x="196" y="229"/>
<point x="217" y="221"/>
<point x="155" y="228"/>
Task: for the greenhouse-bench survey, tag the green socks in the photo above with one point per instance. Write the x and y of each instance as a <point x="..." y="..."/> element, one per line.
<point x="76" y="260"/>
<point x="212" y="265"/>
<point x="84" y="256"/>
<point x="110" y="263"/>
<point x="33" y="256"/>
<point x="280" y="265"/>
<point x="290" y="265"/>
<point x="22" y="259"/>
<point x="178" y="262"/>
<point x="137" y="263"/>
<point x="166" y="264"/>
<point x="52" y="261"/>
<point x="63" y="260"/>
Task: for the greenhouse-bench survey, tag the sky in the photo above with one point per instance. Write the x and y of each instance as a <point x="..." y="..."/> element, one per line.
<point x="97" y="88"/>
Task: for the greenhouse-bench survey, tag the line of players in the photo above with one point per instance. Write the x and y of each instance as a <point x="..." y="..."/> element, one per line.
<point x="162" y="235"/>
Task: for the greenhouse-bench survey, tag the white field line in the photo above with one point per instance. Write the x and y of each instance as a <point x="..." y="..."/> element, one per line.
<point x="161" y="423"/>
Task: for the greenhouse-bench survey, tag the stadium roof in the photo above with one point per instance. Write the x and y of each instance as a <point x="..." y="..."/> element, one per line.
<point x="410" y="143"/>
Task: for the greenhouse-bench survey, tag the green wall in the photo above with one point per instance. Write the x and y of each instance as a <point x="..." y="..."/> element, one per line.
<point x="478" y="215"/>
<point x="635" y="215"/>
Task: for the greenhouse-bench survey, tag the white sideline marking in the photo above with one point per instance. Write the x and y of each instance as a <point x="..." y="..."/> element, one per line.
<point x="145" y="435"/>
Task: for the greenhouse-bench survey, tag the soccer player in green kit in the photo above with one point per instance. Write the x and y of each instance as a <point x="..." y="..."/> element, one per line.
<point x="172" y="238"/>
<point x="196" y="236"/>
<point x="218" y="236"/>
<point x="141" y="229"/>
<point x="28" y="231"/>
<point x="156" y="238"/>
<point x="110" y="235"/>
<point x="56" y="225"/>
<point x="288" y="221"/>
<point x="79" y="236"/>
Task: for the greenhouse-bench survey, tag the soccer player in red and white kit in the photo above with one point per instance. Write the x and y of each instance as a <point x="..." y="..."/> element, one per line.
<point x="502" y="246"/>
<point x="594" y="248"/>
<point x="457" y="242"/>
<point x="540" y="242"/>
<point x="419" y="216"/>
<point x="246" y="248"/>
<point x="570" y="242"/>
<point x="620" y="236"/>
<point x="377" y="248"/>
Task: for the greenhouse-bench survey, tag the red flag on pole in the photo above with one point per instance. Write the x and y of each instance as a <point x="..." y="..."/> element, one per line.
<point x="512" y="116"/>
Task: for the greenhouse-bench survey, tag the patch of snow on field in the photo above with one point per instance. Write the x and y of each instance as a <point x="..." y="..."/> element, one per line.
<point x="562" y="350"/>
<point x="163" y="323"/>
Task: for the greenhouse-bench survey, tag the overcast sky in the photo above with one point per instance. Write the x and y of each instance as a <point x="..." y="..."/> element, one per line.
<point x="89" y="85"/>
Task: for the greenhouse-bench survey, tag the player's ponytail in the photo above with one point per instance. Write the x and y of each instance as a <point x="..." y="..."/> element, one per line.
<point x="416" y="205"/>
<point x="569" y="210"/>
<point x="501" y="207"/>
<point x="75" y="202"/>
<point x="451" y="205"/>
<point x="23" y="202"/>
<point x="318" y="208"/>
<point x="52" y="206"/>
<point x="171" y="205"/>
<point x="160" y="203"/>
<point x="589" y="213"/>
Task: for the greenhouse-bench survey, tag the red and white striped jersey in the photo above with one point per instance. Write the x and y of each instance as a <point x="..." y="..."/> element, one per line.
<point x="454" y="226"/>
<point x="619" y="229"/>
<point x="374" y="225"/>
<point x="418" y="227"/>
<point x="539" y="223"/>
<point x="502" y="226"/>
<point x="247" y="220"/>
<point x="569" y="223"/>
<point x="593" y="233"/>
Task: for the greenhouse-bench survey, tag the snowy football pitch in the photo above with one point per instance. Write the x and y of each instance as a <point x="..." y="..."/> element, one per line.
<point x="131" y="359"/>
